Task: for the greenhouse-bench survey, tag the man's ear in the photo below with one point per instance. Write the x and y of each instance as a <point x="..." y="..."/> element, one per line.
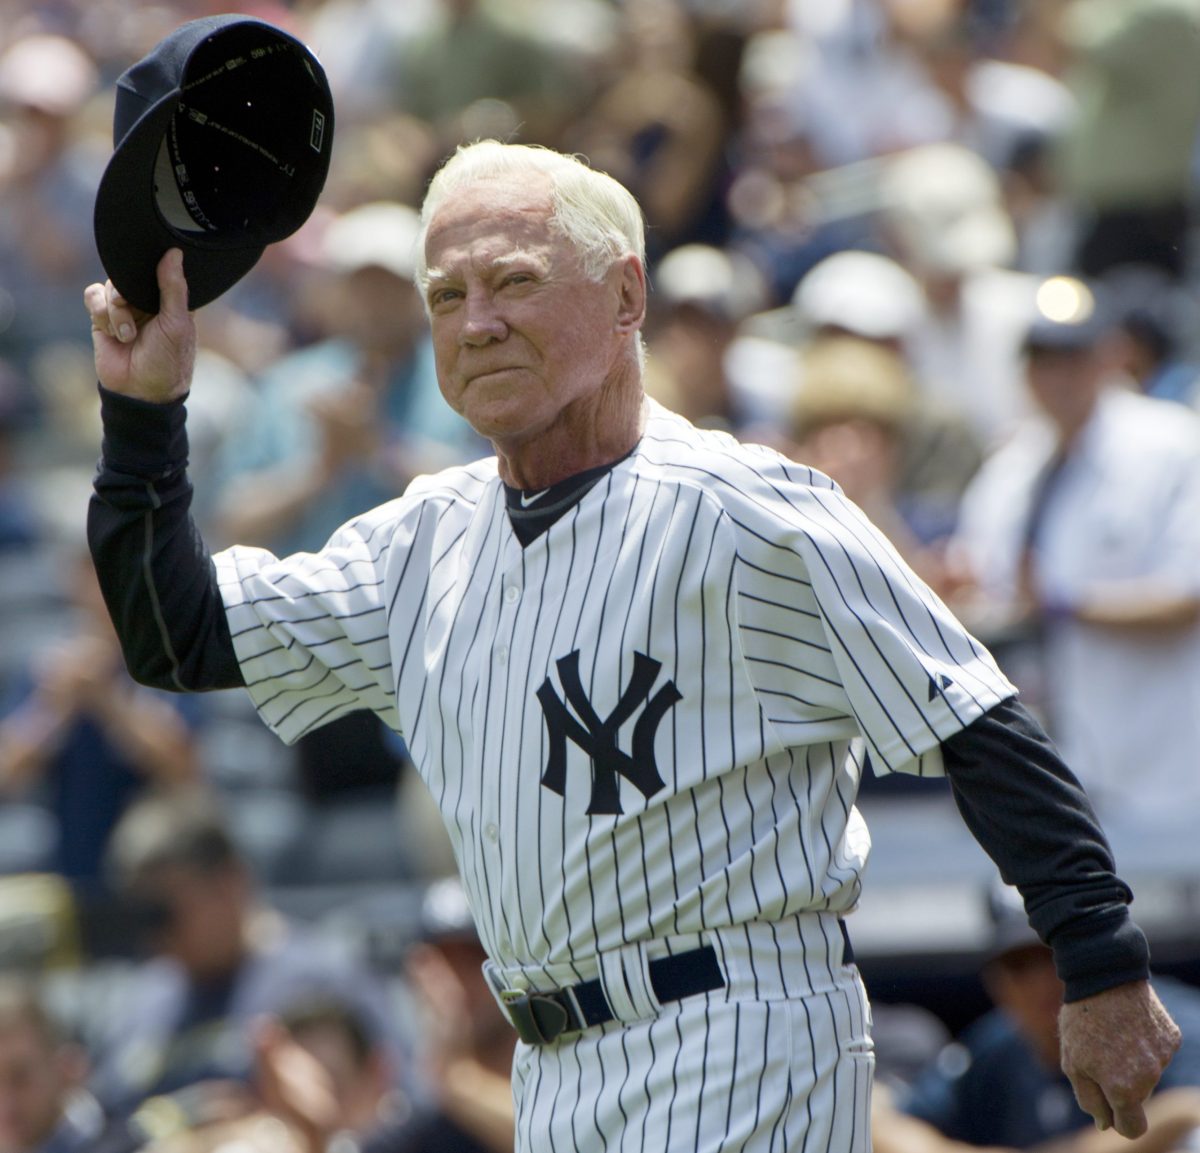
<point x="631" y="301"/>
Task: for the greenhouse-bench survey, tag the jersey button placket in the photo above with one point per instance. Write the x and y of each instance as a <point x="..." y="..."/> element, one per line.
<point x="510" y="596"/>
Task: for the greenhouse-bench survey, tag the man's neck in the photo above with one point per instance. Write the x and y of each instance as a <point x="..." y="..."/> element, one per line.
<point x="587" y="437"/>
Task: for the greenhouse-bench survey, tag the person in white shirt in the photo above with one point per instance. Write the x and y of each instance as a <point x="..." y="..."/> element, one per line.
<point x="1087" y="522"/>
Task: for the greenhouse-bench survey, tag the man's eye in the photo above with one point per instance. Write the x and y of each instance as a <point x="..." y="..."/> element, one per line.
<point x="443" y="296"/>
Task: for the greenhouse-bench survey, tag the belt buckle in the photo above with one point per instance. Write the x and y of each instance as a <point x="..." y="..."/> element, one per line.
<point x="540" y="1018"/>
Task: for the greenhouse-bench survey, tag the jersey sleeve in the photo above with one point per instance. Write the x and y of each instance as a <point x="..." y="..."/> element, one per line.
<point x="153" y="567"/>
<point x="835" y="622"/>
<point x="310" y="630"/>
<point x="1029" y="813"/>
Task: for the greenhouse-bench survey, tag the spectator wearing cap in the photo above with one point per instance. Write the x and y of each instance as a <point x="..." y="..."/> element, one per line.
<point x="850" y="417"/>
<point x="701" y="295"/>
<point x="1000" y="1084"/>
<point x="464" y="1049"/>
<point x="943" y="214"/>
<point x="867" y="297"/>
<point x="49" y="169"/>
<point x="218" y="956"/>
<point x="1086" y="525"/>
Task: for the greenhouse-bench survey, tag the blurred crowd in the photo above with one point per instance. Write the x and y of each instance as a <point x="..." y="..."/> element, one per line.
<point x="943" y="250"/>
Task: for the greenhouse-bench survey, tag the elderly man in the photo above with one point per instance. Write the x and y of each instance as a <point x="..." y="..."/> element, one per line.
<point x="641" y="668"/>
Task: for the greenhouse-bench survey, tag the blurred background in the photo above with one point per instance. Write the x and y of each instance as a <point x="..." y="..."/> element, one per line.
<point x="918" y="244"/>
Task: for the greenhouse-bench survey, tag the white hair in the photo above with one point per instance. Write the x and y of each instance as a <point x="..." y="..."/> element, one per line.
<point x="598" y="215"/>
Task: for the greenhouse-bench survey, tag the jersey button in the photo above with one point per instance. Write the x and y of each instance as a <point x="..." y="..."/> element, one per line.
<point x="491" y="832"/>
<point x="512" y="594"/>
<point x="502" y="655"/>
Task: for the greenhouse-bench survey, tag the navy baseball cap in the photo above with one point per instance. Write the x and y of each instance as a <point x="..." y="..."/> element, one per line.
<point x="222" y="138"/>
<point x="1069" y="316"/>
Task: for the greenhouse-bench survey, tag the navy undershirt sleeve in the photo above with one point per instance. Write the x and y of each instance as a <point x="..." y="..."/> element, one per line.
<point x="155" y="572"/>
<point x="1030" y="814"/>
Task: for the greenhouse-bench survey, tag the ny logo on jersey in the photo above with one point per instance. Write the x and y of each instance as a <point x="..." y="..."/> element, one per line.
<point x="598" y="738"/>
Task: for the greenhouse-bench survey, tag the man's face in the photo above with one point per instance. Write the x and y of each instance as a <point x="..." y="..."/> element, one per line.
<point x="198" y="919"/>
<point x="34" y="1079"/>
<point x="1023" y="982"/>
<point x="1065" y="384"/>
<point x="519" y="332"/>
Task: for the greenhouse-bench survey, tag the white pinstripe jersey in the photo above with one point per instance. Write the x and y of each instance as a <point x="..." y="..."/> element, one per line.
<point x="652" y="719"/>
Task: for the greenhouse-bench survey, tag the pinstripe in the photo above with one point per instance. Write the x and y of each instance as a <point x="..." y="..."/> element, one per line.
<point x="796" y="649"/>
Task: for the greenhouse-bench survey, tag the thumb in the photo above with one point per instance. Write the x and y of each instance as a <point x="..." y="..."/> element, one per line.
<point x="172" y="284"/>
<point x="1130" y="1121"/>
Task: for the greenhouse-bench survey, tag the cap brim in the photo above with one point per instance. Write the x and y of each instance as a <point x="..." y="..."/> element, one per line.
<point x="131" y="235"/>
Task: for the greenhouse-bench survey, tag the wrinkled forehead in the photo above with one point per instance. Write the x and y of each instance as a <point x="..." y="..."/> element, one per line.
<point x="491" y="217"/>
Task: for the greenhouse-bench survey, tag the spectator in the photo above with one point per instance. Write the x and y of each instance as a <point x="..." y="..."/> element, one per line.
<point x="701" y="295"/>
<point x="44" y="1107"/>
<point x="219" y="957"/>
<point x="869" y="298"/>
<point x="48" y="178"/>
<point x="324" y="1082"/>
<point x="1155" y="318"/>
<point x="353" y="417"/>
<point x="1127" y="157"/>
<point x="80" y="739"/>
<point x="659" y="127"/>
<point x="470" y="72"/>
<point x="854" y="406"/>
<point x="944" y="215"/>
<point x="1086" y="526"/>
<point x="1000" y="1083"/>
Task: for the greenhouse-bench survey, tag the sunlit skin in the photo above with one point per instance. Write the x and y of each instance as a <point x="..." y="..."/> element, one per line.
<point x="539" y="359"/>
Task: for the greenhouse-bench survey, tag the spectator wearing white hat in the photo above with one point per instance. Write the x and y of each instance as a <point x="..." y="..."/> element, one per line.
<point x="944" y="215"/>
<point x="700" y="296"/>
<point x="868" y="297"/>
<point x="48" y="177"/>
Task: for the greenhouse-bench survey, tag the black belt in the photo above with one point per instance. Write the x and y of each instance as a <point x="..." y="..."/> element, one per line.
<point x="540" y="1018"/>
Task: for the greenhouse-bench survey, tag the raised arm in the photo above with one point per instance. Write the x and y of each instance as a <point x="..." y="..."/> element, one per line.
<point x="154" y="570"/>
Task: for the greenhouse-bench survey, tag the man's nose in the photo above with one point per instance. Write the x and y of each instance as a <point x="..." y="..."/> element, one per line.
<point x="483" y="322"/>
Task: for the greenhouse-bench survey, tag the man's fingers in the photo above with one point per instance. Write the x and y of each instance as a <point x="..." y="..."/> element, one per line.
<point x="95" y="300"/>
<point x="1130" y="1122"/>
<point x="110" y="312"/>
<point x="172" y="284"/>
<point x="1093" y="1102"/>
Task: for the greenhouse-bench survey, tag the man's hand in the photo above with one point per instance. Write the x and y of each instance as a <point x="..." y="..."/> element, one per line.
<point x="1115" y="1046"/>
<point x="143" y="356"/>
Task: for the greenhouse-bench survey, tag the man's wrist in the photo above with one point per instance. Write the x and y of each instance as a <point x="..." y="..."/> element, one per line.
<point x="143" y="438"/>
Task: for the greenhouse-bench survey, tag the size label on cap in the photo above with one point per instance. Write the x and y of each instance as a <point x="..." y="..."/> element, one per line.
<point x="316" y="137"/>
